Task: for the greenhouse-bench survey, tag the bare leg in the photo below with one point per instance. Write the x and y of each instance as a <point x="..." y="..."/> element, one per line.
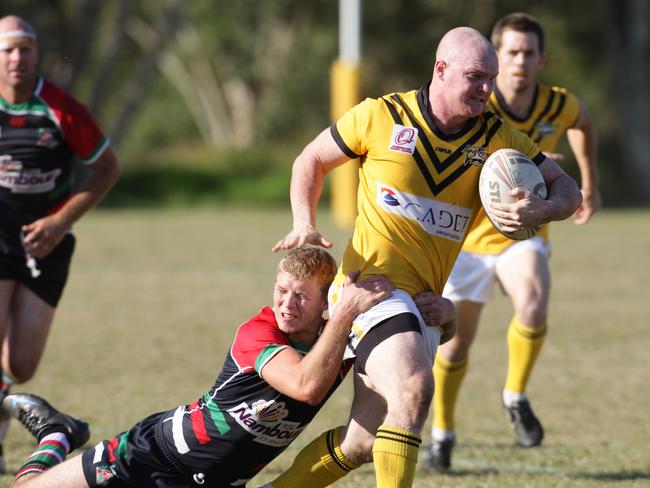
<point x="68" y="474"/>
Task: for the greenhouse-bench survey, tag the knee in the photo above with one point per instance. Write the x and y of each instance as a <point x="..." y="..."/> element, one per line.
<point x="457" y="348"/>
<point x="532" y="314"/>
<point x="20" y="372"/>
<point x="359" y="449"/>
<point x="414" y="397"/>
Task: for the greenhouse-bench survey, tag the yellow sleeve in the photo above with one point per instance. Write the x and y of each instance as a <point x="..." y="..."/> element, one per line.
<point x="512" y="138"/>
<point x="351" y="131"/>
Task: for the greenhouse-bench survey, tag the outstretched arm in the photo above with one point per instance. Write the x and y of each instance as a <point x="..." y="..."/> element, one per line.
<point x="582" y="139"/>
<point x="309" y="169"/>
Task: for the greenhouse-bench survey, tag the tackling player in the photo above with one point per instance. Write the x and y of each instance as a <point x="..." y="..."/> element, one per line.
<point x="282" y="366"/>
<point x="521" y="267"/>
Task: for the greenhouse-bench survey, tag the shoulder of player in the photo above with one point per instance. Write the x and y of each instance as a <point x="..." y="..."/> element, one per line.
<point x="58" y="99"/>
<point x="547" y="90"/>
<point x="260" y="326"/>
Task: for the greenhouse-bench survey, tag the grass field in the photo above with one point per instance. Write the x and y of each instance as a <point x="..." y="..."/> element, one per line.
<point x="154" y="298"/>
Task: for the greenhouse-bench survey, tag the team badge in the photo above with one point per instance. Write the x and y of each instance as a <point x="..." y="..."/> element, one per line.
<point x="545" y="128"/>
<point x="103" y="476"/>
<point x="403" y="139"/>
<point x="475" y="155"/>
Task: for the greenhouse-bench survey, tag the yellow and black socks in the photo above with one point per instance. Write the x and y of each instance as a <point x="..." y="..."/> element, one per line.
<point x="319" y="464"/>
<point x="524" y="345"/>
<point x="448" y="376"/>
<point x="395" y="454"/>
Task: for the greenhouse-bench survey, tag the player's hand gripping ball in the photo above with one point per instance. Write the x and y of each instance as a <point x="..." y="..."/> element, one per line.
<point x="503" y="171"/>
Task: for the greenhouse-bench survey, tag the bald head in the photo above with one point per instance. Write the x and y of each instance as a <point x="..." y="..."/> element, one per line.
<point x="14" y="29"/>
<point x="13" y="23"/>
<point x="461" y="42"/>
<point x="18" y="59"/>
<point x="463" y="78"/>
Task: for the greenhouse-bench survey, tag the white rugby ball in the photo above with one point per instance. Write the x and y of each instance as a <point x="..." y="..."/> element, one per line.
<point x="503" y="171"/>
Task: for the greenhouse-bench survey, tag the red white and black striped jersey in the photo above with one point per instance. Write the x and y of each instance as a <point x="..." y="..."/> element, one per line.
<point x="39" y="140"/>
<point x="242" y="423"/>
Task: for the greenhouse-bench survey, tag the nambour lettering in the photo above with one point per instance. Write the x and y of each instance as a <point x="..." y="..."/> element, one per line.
<point x="33" y="181"/>
<point x="275" y="433"/>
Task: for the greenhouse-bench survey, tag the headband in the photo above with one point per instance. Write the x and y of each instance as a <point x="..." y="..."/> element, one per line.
<point x="6" y="37"/>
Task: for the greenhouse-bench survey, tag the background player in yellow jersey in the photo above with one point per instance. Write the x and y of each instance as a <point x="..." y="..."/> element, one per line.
<point x="545" y="114"/>
<point x="421" y="153"/>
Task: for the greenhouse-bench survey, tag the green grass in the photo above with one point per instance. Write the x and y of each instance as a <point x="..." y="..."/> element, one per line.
<point x="154" y="298"/>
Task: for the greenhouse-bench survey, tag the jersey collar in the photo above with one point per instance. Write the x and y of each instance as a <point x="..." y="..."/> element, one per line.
<point x="423" y="104"/>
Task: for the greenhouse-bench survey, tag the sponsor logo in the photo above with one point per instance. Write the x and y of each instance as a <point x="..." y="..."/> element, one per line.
<point x="31" y="181"/>
<point x="544" y="128"/>
<point x="389" y="197"/>
<point x="264" y="420"/>
<point x="403" y="139"/>
<point x="8" y="164"/>
<point x="437" y="218"/>
<point x="475" y="155"/>
<point x="103" y="475"/>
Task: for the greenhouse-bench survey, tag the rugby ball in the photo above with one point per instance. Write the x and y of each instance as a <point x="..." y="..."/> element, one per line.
<point x="503" y="171"/>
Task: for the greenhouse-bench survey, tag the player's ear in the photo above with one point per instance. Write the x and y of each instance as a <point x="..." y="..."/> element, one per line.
<point x="542" y="60"/>
<point x="439" y="69"/>
<point x="324" y="304"/>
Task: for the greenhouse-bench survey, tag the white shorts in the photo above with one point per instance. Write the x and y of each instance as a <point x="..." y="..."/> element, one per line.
<point x="400" y="302"/>
<point x="474" y="275"/>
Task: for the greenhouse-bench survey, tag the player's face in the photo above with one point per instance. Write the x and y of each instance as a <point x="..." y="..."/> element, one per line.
<point x="18" y="59"/>
<point x="298" y="306"/>
<point x="519" y="60"/>
<point x="469" y="82"/>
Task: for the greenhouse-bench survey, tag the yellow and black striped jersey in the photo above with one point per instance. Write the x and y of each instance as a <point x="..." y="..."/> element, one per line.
<point x="418" y="188"/>
<point x="553" y="111"/>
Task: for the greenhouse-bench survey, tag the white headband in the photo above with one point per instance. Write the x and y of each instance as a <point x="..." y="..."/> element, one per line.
<point x="16" y="34"/>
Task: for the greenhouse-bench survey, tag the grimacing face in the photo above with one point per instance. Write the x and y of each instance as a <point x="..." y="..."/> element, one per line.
<point x="519" y="60"/>
<point x="469" y="82"/>
<point x="298" y="305"/>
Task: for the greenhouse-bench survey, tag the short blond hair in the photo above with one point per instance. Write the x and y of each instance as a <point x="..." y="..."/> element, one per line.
<point x="309" y="262"/>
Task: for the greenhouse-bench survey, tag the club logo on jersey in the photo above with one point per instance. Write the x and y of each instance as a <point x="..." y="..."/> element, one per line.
<point x="264" y="421"/>
<point x="437" y="218"/>
<point x="403" y="139"/>
<point x="103" y="475"/>
<point x="545" y="128"/>
<point x="46" y="138"/>
<point x="475" y="155"/>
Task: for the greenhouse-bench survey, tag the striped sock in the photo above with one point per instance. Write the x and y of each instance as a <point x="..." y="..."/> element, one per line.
<point x="51" y="450"/>
<point x="319" y="464"/>
<point x="395" y="454"/>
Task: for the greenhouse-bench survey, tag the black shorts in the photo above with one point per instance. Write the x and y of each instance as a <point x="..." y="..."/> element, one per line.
<point x="404" y="322"/>
<point x="133" y="459"/>
<point x="54" y="268"/>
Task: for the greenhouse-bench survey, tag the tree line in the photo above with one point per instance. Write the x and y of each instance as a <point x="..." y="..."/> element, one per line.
<point x="236" y="73"/>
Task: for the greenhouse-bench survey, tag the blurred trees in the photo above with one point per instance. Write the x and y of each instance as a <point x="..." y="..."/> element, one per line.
<point x="237" y="73"/>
